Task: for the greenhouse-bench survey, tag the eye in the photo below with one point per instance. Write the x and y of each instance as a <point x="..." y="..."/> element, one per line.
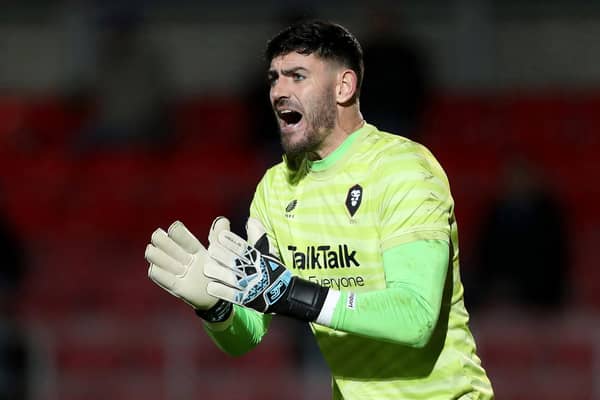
<point x="298" y="77"/>
<point x="272" y="79"/>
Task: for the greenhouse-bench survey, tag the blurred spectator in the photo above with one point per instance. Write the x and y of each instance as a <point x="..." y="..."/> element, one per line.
<point x="398" y="71"/>
<point x="129" y="89"/>
<point x="14" y="366"/>
<point x="523" y="251"/>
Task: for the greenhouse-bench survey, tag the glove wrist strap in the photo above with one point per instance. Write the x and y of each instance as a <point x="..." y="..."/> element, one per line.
<point x="303" y="300"/>
<point x="217" y="313"/>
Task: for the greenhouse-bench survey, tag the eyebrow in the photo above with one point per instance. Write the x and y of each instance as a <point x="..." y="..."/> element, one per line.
<point x="286" y="72"/>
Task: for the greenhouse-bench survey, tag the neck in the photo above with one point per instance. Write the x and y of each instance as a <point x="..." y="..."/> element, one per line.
<point x="349" y="120"/>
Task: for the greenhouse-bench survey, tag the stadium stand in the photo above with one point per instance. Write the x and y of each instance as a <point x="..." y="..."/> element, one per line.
<point x="101" y="328"/>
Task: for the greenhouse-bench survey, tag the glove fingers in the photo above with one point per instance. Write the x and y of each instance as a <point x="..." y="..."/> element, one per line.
<point x="229" y="248"/>
<point x="257" y="237"/>
<point x="162" y="278"/>
<point x="161" y="240"/>
<point x="224" y="292"/>
<point x="232" y="242"/>
<point x="163" y="261"/>
<point x="222" y="255"/>
<point x="184" y="238"/>
<point x="255" y="230"/>
<point x="215" y="270"/>
<point x="219" y="224"/>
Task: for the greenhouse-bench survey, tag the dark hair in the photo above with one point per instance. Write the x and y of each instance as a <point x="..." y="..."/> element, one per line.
<point x="326" y="40"/>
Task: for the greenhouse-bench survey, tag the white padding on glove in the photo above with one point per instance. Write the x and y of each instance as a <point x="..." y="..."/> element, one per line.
<point x="177" y="260"/>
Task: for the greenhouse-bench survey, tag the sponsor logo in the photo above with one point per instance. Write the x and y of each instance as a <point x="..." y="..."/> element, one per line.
<point x="351" y="301"/>
<point x="323" y="256"/>
<point x="339" y="283"/>
<point x="289" y="208"/>
<point x="276" y="291"/>
<point x="291" y="205"/>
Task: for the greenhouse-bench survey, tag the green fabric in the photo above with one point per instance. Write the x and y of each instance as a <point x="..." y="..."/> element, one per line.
<point x="407" y="310"/>
<point x="332" y="228"/>
<point x="246" y="330"/>
<point x="332" y="158"/>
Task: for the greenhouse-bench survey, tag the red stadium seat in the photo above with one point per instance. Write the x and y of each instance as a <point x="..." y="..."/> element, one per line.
<point x="55" y="121"/>
<point x="212" y="122"/>
<point x="109" y="196"/>
<point x="13" y="111"/>
<point x="37" y="190"/>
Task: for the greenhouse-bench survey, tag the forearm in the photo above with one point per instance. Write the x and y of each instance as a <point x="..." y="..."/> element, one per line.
<point x="393" y="314"/>
<point x="241" y="332"/>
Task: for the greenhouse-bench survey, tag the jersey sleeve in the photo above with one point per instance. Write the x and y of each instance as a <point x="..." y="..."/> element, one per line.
<point x="407" y="310"/>
<point x="241" y="332"/>
<point x="417" y="206"/>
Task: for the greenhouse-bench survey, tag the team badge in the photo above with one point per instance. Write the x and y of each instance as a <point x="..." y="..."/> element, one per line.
<point x="353" y="199"/>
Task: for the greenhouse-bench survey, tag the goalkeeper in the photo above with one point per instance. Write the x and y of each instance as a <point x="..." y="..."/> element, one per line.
<point x="354" y="233"/>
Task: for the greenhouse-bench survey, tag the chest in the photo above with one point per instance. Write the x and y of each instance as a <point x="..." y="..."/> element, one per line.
<point x="329" y="232"/>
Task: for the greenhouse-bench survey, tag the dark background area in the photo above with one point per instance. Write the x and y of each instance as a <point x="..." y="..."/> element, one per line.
<point x="116" y="119"/>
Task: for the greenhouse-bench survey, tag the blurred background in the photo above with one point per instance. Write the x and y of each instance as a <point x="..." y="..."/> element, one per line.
<point x="120" y="117"/>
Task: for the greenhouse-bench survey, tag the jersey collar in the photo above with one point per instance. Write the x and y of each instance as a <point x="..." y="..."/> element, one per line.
<point x="325" y="164"/>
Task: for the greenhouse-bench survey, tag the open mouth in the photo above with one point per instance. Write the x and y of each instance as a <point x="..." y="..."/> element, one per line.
<point x="289" y="117"/>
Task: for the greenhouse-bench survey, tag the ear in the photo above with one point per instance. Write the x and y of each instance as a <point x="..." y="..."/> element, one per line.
<point x="346" y="86"/>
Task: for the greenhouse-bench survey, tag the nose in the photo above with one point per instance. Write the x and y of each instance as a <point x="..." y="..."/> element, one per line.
<point x="279" y="90"/>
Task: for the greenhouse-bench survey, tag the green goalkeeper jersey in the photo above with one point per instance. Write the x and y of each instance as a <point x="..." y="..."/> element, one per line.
<point x="374" y="193"/>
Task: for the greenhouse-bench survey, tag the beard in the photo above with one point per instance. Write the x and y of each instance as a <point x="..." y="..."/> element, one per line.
<point x="320" y="121"/>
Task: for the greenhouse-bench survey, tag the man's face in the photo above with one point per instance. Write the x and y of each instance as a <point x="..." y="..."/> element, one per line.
<point x="303" y="98"/>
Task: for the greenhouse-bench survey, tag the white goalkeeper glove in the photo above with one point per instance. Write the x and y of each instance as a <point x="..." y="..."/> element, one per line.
<point x="249" y="276"/>
<point x="177" y="261"/>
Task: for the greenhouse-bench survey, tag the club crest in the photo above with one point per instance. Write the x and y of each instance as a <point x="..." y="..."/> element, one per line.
<point x="353" y="199"/>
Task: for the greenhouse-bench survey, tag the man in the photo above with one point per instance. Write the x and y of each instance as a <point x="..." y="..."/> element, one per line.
<point x="354" y="233"/>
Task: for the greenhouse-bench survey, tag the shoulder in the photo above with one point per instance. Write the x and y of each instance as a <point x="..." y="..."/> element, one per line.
<point x="274" y="177"/>
<point x="396" y="155"/>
